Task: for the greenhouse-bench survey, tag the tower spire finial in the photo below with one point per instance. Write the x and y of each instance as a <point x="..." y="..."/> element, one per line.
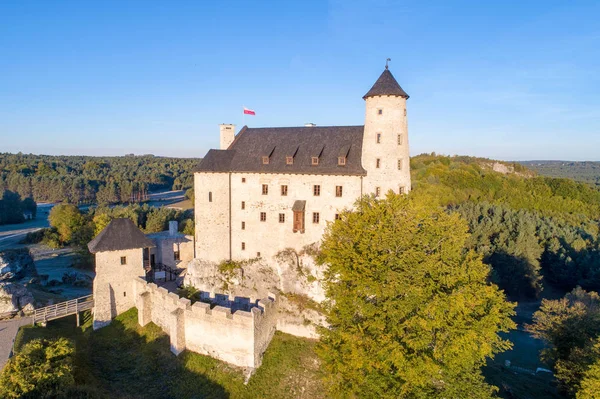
<point x="386" y="62"/>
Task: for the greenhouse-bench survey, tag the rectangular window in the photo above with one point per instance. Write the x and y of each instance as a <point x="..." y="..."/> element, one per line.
<point x="282" y="218"/>
<point x="402" y="190"/>
<point x="314" y="160"/>
<point x="243" y="225"/>
<point x="123" y="260"/>
<point x="399" y="164"/>
<point x="399" y="139"/>
<point x="263" y="216"/>
<point x="378" y="163"/>
<point x="243" y="180"/>
<point x="338" y="191"/>
<point x="258" y="254"/>
<point x="265" y="160"/>
<point x="243" y="204"/>
<point x="243" y="246"/>
<point x="284" y="190"/>
<point x="379" y="111"/>
<point x="337" y="216"/>
<point x="341" y="161"/>
<point x="378" y="138"/>
<point x="176" y="255"/>
<point x="404" y="111"/>
<point x="315" y="217"/>
<point x="316" y="190"/>
<point x="377" y="191"/>
<point x="210" y="196"/>
<point x="265" y="189"/>
<point x="289" y="160"/>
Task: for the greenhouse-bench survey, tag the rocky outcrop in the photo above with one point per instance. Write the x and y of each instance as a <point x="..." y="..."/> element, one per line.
<point x="15" y="297"/>
<point x="16" y="264"/>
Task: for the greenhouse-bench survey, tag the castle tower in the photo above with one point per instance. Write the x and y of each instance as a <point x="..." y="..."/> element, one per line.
<point x="385" y="153"/>
<point x="227" y="135"/>
<point x="121" y="250"/>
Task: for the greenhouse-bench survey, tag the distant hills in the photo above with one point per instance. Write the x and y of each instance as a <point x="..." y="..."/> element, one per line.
<point x="588" y="172"/>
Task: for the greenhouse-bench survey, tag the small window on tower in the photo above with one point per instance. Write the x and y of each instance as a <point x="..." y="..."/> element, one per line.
<point x="404" y="111"/>
<point x="243" y="246"/>
<point x="265" y="160"/>
<point x="378" y="163"/>
<point x="342" y="161"/>
<point x="402" y="190"/>
<point x="284" y="190"/>
<point x="265" y="189"/>
<point x="378" y="138"/>
<point x="243" y="180"/>
<point x="399" y="164"/>
<point x="258" y="254"/>
<point x="337" y="216"/>
<point x="379" y="111"/>
<point x="243" y="204"/>
<point x="210" y="196"/>
<point x="338" y="191"/>
<point x="243" y="225"/>
<point x="123" y="260"/>
<point x="289" y="160"/>
<point x="263" y="216"/>
<point x="399" y="139"/>
<point x="377" y="191"/>
<point x="315" y="161"/>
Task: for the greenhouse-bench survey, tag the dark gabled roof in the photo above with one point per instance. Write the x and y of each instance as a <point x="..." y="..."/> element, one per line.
<point x="120" y="234"/>
<point x="326" y="142"/>
<point x="386" y="85"/>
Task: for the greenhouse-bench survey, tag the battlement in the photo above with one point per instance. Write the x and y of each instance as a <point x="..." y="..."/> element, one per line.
<point x="236" y="330"/>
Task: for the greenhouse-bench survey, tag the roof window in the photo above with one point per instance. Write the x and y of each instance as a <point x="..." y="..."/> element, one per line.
<point x="265" y="160"/>
<point x="314" y="161"/>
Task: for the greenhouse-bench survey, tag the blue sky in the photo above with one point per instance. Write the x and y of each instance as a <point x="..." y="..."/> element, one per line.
<point x="510" y="80"/>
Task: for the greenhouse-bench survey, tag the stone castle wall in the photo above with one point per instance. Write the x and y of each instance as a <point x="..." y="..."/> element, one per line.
<point x="239" y="337"/>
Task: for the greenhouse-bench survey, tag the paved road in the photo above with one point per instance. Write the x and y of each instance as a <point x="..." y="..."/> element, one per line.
<point x="8" y="332"/>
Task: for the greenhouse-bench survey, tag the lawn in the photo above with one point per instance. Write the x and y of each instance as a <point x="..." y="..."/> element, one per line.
<point x="124" y="360"/>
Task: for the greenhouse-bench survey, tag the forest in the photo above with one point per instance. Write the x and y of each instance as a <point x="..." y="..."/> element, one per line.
<point x="86" y="179"/>
<point x="588" y="172"/>
<point x="13" y="208"/>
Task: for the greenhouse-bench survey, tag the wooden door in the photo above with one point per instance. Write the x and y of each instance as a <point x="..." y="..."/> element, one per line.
<point x="299" y="221"/>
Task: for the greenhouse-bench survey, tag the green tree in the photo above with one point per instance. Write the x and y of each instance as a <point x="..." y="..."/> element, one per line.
<point x="67" y="220"/>
<point x="590" y="384"/>
<point x="411" y="312"/>
<point x="569" y="326"/>
<point x="42" y="369"/>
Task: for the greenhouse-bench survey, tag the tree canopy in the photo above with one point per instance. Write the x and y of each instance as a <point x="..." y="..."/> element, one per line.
<point x="411" y="311"/>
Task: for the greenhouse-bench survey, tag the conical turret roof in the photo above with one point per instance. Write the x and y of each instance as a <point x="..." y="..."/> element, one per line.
<point x="386" y="85"/>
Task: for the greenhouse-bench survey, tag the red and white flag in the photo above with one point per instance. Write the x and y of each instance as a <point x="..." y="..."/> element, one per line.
<point x="249" y="111"/>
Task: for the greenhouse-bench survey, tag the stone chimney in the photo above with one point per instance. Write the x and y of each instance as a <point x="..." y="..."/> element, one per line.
<point x="173" y="227"/>
<point x="227" y="135"/>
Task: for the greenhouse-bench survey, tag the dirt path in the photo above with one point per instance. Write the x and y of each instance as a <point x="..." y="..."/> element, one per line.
<point x="8" y="332"/>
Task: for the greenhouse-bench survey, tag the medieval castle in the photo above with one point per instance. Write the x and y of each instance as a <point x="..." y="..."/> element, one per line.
<point x="265" y="190"/>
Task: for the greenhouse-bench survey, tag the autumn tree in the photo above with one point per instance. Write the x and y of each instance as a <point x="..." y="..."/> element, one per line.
<point x="41" y="369"/>
<point x="66" y="219"/>
<point x="411" y="313"/>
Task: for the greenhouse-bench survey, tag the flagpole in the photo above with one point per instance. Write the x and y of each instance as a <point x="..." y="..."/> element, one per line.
<point x="243" y="116"/>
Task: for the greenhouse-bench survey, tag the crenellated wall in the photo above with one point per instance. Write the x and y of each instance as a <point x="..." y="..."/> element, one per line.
<point x="239" y="337"/>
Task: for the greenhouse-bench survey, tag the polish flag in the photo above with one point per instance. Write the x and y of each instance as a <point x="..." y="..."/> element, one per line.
<point x="249" y="111"/>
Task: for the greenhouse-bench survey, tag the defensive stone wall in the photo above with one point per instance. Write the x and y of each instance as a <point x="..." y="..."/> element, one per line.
<point x="238" y="337"/>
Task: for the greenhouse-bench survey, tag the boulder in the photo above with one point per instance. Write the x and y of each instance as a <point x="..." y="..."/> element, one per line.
<point x="15" y="297"/>
<point x="16" y="264"/>
<point x="77" y="279"/>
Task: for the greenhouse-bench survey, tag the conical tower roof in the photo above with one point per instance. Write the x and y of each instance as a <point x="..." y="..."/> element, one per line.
<point x="386" y="85"/>
<point x="120" y="234"/>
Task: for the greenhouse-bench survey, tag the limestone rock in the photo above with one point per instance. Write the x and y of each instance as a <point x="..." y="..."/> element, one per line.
<point x="15" y="297"/>
<point x="16" y="264"/>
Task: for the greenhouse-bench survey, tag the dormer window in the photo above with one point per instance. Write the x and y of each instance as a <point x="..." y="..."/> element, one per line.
<point x="341" y="161"/>
<point x="265" y="160"/>
<point x="314" y="161"/>
<point x="289" y="160"/>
